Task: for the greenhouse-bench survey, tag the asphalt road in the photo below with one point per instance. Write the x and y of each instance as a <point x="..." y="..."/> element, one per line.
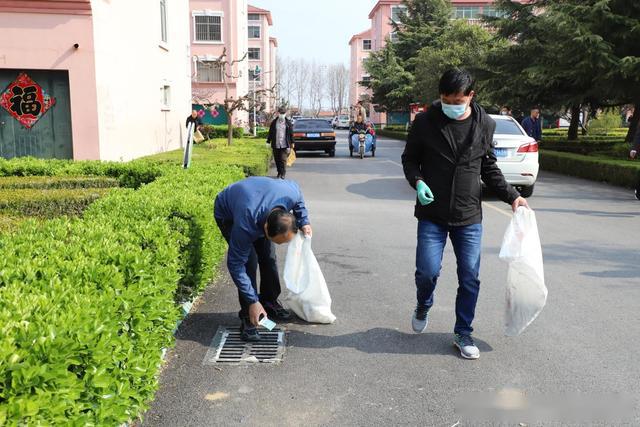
<point x="370" y="369"/>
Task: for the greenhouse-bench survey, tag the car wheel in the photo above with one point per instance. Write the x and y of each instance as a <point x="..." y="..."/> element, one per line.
<point x="332" y="153"/>
<point x="526" y="191"/>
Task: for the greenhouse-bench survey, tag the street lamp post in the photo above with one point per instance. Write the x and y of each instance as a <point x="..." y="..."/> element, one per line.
<point x="256" y="74"/>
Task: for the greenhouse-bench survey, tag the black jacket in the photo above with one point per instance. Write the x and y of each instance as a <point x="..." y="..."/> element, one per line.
<point x="272" y="137"/>
<point x="197" y="122"/>
<point x="454" y="178"/>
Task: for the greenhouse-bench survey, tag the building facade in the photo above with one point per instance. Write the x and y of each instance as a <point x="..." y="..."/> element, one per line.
<point x="242" y="33"/>
<point x="382" y="16"/>
<point x="77" y="85"/>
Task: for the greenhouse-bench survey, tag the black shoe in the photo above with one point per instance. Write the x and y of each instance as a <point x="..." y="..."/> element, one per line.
<point x="248" y="332"/>
<point x="276" y="311"/>
<point x="282" y="177"/>
<point x="638" y="194"/>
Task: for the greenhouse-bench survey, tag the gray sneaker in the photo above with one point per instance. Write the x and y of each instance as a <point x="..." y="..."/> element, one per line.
<point x="467" y="348"/>
<point x="420" y="319"/>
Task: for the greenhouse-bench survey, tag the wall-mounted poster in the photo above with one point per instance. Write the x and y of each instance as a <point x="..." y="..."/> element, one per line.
<point x="26" y="101"/>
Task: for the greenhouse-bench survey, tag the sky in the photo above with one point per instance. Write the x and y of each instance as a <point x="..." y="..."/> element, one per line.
<point x="317" y="29"/>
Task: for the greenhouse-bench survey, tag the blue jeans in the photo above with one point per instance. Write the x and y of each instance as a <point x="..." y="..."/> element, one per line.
<point x="466" y="241"/>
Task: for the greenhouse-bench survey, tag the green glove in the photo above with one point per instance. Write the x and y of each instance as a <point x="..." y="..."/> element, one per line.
<point x="425" y="196"/>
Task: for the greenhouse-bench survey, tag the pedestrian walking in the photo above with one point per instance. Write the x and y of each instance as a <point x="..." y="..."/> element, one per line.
<point x="252" y="215"/>
<point x="533" y="125"/>
<point x="280" y="138"/>
<point x="448" y="152"/>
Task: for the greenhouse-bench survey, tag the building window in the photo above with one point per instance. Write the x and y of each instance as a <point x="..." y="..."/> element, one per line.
<point x="163" y="20"/>
<point x="254" y="31"/>
<point x="366" y="44"/>
<point x="393" y="37"/>
<point x="253" y="77"/>
<point x="466" y="12"/>
<point x="208" y="28"/>
<point x="165" y="97"/>
<point x="397" y="12"/>
<point x="254" y="53"/>
<point x="209" y="72"/>
<point x="493" y="12"/>
<point x="254" y="17"/>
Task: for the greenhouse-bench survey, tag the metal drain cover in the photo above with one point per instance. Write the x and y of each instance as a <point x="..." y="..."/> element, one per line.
<point x="228" y="348"/>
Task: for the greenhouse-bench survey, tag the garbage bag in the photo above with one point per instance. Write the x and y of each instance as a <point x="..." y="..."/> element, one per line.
<point x="291" y="159"/>
<point x="307" y="292"/>
<point x="526" y="293"/>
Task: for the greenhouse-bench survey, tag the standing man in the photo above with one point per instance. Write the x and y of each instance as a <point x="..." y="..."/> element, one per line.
<point x="633" y="154"/>
<point x="252" y="215"/>
<point x="533" y="125"/>
<point x="281" y="139"/>
<point x="449" y="150"/>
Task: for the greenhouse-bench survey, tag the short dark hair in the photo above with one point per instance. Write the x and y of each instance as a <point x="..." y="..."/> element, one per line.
<point x="281" y="222"/>
<point x="456" y="80"/>
<point x="282" y="110"/>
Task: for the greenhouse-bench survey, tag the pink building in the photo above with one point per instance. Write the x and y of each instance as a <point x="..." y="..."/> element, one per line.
<point x="76" y="84"/>
<point x="383" y="14"/>
<point x="217" y="25"/>
<point x="244" y="31"/>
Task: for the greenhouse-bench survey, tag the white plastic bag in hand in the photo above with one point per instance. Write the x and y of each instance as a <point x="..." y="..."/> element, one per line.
<point x="526" y="292"/>
<point x="308" y="295"/>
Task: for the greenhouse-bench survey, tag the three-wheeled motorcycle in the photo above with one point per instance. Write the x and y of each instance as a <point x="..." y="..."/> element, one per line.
<point x="362" y="142"/>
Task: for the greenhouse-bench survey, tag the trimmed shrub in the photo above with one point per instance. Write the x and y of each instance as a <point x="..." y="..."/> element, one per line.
<point x="401" y="135"/>
<point x="220" y="131"/>
<point x="262" y="134"/>
<point x="48" y="203"/>
<point x="616" y="172"/>
<point x="48" y="182"/>
<point x="86" y="305"/>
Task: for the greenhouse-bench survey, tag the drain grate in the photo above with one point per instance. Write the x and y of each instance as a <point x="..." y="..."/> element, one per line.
<point x="228" y="348"/>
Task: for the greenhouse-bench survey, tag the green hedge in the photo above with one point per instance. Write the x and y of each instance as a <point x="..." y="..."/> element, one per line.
<point x="48" y="203"/>
<point x="220" y="131"/>
<point x="392" y="134"/>
<point x="86" y="305"/>
<point x="251" y="155"/>
<point x="616" y="172"/>
<point x="132" y="174"/>
<point x="262" y="134"/>
<point x="49" y="182"/>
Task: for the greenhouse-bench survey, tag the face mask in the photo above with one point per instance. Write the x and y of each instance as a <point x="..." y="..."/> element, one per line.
<point x="454" y="111"/>
<point x="282" y="116"/>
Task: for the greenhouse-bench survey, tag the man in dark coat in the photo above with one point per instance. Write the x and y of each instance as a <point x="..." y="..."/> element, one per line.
<point x="281" y="139"/>
<point x="448" y="152"/>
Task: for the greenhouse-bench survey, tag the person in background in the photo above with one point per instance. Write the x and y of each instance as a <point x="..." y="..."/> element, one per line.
<point x="505" y="111"/>
<point x="281" y="140"/>
<point x="533" y="125"/>
<point x="195" y="119"/>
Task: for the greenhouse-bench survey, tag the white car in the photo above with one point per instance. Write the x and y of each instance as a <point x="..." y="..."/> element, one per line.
<point x="517" y="154"/>
<point x="342" y="122"/>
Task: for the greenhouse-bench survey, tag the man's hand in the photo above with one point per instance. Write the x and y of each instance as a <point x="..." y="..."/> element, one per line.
<point x="306" y="231"/>
<point x="633" y="154"/>
<point x="256" y="311"/>
<point x="520" y="201"/>
<point x="425" y="196"/>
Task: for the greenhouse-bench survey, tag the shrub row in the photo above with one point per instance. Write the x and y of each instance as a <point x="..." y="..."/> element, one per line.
<point x="616" y="172"/>
<point x="217" y="131"/>
<point x="48" y="203"/>
<point x="51" y="182"/>
<point x="392" y="134"/>
<point x="132" y="174"/>
<point x="86" y="305"/>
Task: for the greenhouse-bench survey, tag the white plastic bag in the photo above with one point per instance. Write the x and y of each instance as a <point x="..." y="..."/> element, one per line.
<point x="308" y="295"/>
<point x="526" y="292"/>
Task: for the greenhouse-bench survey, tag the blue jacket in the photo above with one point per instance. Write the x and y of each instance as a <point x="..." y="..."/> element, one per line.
<point x="247" y="205"/>
<point x="533" y="127"/>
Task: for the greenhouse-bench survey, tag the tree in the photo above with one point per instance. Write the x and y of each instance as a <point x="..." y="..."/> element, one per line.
<point x="301" y="81"/>
<point x="391" y="84"/>
<point x="317" y="85"/>
<point x="459" y="45"/>
<point x="566" y="54"/>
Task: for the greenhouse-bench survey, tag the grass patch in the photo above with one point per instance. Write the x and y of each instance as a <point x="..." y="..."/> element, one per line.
<point x="48" y="203"/>
<point x="57" y="182"/>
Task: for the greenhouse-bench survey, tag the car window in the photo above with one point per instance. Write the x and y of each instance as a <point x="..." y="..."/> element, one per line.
<point x="312" y="125"/>
<point x="507" y="127"/>
<point x="344" y="117"/>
